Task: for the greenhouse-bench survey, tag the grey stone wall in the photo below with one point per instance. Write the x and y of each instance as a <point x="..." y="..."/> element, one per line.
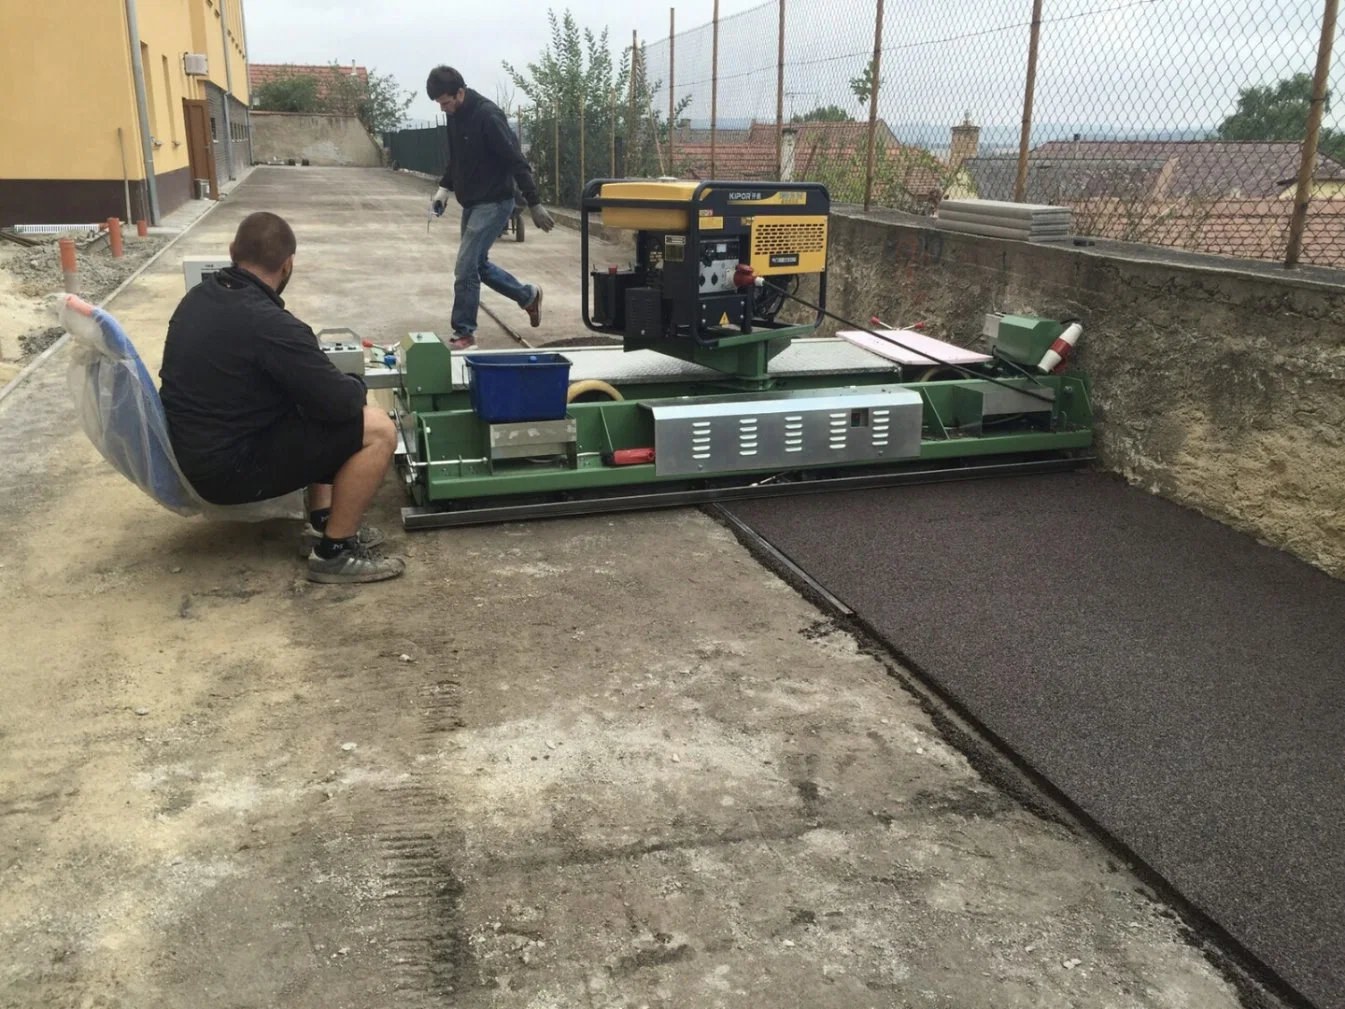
<point x="1217" y="384"/>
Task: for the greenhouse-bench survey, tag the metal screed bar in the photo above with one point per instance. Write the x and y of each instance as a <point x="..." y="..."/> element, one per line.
<point x="420" y="518"/>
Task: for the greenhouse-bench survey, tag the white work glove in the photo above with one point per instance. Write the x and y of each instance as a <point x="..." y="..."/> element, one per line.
<point x="541" y="218"/>
<point x="440" y="201"/>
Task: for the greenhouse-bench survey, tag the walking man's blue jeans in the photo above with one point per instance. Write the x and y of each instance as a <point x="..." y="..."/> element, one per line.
<point x="481" y="225"/>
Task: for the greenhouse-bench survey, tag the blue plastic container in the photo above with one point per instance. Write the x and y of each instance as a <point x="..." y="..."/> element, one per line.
<point x="513" y="388"/>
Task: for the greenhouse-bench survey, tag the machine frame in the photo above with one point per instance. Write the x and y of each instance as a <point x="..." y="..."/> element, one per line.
<point x="713" y="417"/>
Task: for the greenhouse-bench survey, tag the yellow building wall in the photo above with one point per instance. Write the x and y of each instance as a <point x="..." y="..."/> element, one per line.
<point x="165" y="36"/>
<point x="59" y="114"/>
<point x="60" y="123"/>
<point x="206" y="19"/>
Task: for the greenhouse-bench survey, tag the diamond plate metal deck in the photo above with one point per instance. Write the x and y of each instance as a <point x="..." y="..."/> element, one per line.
<point x="611" y="364"/>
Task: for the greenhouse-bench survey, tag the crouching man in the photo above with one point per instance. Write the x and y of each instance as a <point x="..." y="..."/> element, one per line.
<point x="256" y="410"/>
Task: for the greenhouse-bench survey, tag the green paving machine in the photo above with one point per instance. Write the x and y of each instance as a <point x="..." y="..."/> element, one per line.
<point x="713" y="383"/>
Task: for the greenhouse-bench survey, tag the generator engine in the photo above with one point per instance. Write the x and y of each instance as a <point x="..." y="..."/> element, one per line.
<point x="693" y="243"/>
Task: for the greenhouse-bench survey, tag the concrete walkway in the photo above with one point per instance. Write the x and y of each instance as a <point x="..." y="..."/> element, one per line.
<point x="608" y="762"/>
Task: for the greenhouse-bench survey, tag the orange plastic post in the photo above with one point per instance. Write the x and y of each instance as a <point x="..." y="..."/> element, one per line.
<point x="141" y="228"/>
<point x="69" y="266"/>
<point x="114" y="236"/>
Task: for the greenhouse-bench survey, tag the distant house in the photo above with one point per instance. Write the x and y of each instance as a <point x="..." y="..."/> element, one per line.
<point x="261" y="74"/>
<point x="1071" y="171"/>
<point x="829" y="152"/>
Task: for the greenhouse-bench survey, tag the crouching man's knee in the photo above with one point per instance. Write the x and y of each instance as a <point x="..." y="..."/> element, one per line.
<point x="379" y="431"/>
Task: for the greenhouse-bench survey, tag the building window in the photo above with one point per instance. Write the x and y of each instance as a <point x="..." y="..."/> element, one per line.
<point x="214" y="132"/>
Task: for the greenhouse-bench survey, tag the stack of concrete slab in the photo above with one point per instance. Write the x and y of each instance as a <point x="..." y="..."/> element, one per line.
<point x="1025" y="222"/>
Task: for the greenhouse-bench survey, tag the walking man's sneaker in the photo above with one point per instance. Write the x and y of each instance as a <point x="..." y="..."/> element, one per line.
<point x="461" y="342"/>
<point x="534" y="309"/>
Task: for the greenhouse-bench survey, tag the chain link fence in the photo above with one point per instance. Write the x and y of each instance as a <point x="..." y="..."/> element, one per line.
<point x="1179" y="123"/>
<point x="1171" y="122"/>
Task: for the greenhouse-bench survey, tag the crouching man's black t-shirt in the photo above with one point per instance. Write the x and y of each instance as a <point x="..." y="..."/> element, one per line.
<point x="235" y="365"/>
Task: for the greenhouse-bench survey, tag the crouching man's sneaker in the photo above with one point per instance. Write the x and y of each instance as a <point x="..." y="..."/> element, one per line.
<point x="369" y="536"/>
<point x="355" y="565"/>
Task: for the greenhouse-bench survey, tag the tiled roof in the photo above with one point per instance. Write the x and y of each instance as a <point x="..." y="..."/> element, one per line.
<point x="1199" y="168"/>
<point x="1246" y="228"/>
<point x="260" y="74"/>
<point x="732" y="161"/>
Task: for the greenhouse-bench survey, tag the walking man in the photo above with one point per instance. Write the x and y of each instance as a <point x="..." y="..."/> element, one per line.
<point x="485" y="163"/>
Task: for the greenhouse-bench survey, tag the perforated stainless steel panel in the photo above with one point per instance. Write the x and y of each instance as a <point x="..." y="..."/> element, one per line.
<point x="785" y="430"/>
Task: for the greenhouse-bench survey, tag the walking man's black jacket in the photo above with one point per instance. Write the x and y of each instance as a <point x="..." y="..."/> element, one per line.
<point x="484" y="158"/>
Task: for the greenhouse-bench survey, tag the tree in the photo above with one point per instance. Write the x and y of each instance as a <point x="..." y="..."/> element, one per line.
<point x="380" y="104"/>
<point x="1279" y="112"/>
<point x="289" y="93"/>
<point x="577" y="96"/>
<point x="825" y="114"/>
<point x="862" y="85"/>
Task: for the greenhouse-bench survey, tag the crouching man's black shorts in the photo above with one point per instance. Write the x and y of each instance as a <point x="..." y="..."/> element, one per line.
<point x="292" y="454"/>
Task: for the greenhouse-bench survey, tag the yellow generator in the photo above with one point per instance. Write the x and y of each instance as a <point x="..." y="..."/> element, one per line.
<point x="714" y="261"/>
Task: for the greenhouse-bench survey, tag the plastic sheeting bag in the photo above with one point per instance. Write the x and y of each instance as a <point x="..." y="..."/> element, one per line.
<point x="120" y="411"/>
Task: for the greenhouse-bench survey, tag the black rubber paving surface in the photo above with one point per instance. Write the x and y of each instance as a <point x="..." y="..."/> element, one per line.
<point x="1184" y="686"/>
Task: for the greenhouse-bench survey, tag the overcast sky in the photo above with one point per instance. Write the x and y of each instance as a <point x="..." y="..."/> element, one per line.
<point x="406" y="38"/>
<point x="1122" y="65"/>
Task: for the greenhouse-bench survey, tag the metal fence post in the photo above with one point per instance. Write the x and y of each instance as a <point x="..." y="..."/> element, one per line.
<point x="714" y="95"/>
<point x="1020" y="183"/>
<point x="672" y="95"/>
<point x="780" y="96"/>
<point x="583" y="97"/>
<point x="1299" y="221"/>
<point x="631" y="124"/>
<point x="611" y="130"/>
<point x="555" y="134"/>
<point x="873" y="104"/>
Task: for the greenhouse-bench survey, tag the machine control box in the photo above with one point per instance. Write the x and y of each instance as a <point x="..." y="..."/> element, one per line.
<point x="348" y="357"/>
<point x="198" y="268"/>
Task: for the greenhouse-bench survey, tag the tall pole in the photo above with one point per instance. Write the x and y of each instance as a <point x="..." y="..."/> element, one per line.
<point x="672" y="92"/>
<point x="555" y="136"/>
<point x="583" y="97"/>
<point x="873" y="103"/>
<point x="714" y="96"/>
<point x="611" y="121"/>
<point x="1298" y="222"/>
<point x="1024" y="138"/>
<point x="630" y="122"/>
<point x="142" y="106"/>
<point x="229" y="84"/>
<point x="780" y="96"/>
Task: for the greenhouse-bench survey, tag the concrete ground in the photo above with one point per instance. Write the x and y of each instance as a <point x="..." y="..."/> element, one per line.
<point x="591" y="763"/>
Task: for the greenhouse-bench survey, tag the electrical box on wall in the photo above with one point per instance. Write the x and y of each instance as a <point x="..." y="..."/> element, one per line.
<point x="197" y="268"/>
<point x="195" y="64"/>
